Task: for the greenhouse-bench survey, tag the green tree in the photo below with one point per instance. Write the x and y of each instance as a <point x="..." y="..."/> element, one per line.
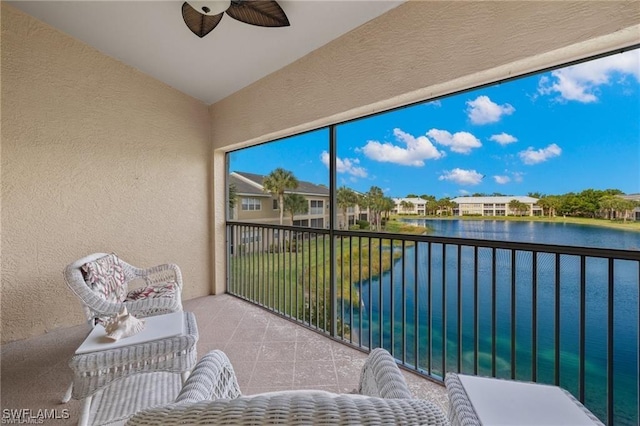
<point x="406" y="205"/>
<point x="569" y="204"/>
<point x="549" y="204"/>
<point x="295" y="204"/>
<point x="615" y="204"/>
<point x="277" y="182"/>
<point x="627" y="207"/>
<point x="446" y="205"/>
<point x="431" y="207"/>
<point x="387" y="205"/>
<point x="589" y="202"/>
<point x="345" y="198"/>
<point x="374" y="201"/>
<point x="609" y="203"/>
<point x="518" y="207"/>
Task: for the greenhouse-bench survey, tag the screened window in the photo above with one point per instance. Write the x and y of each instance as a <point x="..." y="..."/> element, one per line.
<point x="317" y="223"/>
<point x="316" y="207"/>
<point x="251" y="204"/>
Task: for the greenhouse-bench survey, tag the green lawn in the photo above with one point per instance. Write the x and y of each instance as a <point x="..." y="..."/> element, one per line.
<point x="291" y="281"/>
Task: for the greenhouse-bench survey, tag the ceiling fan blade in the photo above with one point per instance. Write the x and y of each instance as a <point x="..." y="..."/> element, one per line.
<point x="199" y="24"/>
<point x="263" y="13"/>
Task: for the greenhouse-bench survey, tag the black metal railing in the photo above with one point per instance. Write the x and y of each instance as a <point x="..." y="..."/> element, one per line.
<point x="562" y="315"/>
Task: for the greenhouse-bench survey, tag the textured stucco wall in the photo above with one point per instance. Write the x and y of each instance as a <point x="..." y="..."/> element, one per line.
<point x="416" y="46"/>
<point x="96" y="156"/>
<point x="419" y="50"/>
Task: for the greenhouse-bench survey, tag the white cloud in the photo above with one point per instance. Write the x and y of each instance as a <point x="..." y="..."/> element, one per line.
<point x="483" y="110"/>
<point x="460" y="142"/>
<point x="463" y="192"/>
<point x="580" y="82"/>
<point x="347" y="165"/>
<point x="535" y="156"/>
<point x="503" y="138"/>
<point x="435" y="103"/>
<point x="462" y="177"/>
<point x="502" y="179"/>
<point x="517" y="176"/>
<point x="417" y="150"/>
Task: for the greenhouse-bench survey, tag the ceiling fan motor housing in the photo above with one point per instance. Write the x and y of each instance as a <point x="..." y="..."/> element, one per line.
<point x="211" y="7"/>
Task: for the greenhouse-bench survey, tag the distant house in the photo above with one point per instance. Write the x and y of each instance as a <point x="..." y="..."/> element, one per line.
<point x="410" y="205"/>
<point x="254" y="204"/>
<point x="493" y="206"/>
<point x="355" y="213"/>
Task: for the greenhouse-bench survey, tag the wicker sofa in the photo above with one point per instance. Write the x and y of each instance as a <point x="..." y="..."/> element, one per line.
<point x="211" y="396"/>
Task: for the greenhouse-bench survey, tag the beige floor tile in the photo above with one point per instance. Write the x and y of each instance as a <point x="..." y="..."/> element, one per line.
<point x="268" y="352"/>
<point x="266" y="374"/>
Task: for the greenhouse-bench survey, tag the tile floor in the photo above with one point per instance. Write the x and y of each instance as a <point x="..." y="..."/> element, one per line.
<point x="268" y="353"/>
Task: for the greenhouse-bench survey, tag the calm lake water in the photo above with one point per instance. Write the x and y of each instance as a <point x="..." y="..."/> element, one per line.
<point x="413" y="296"/>
<point x="567" y="234"/>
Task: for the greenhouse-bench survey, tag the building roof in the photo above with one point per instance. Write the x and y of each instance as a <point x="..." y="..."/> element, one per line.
<point x="495" y="200"/>
<point x="246" y="188"/>
<point x="632" y="197"/>
<point x="412" y="200"/>
<point x="253" y="184"/>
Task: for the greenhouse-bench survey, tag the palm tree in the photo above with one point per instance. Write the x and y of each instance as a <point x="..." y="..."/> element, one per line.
<point x="373" y="199"/>
<point x="345" y="198"/>
<point x="276" y="183"/>
<point x="431" y="207"/>
<point x="406" y="205"/>
<point x="550" y="203"/>
<point x="447" y="205"/>
<point x="518" y="207"/>
<point x="617" y="204"/>
<point x="387" y="205"/>
<point x="610" y="203"/>
<point x="295" y="204"/>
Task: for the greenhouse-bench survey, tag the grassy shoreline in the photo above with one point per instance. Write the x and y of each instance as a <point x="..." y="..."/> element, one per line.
<point x="603" y="223"/>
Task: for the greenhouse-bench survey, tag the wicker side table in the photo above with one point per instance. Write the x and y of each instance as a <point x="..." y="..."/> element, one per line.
<point x="485" y="401"/>
<point x="94" y="371"/>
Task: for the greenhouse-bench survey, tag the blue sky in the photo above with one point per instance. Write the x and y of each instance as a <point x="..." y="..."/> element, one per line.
<point x="567" y="130"/>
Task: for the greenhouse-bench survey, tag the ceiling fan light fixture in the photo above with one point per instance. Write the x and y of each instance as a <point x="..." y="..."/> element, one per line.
<point x="211" y="7"/>
<point x="201" y="17"/>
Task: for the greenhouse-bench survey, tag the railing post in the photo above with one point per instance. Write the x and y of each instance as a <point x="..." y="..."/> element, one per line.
<point x="333" y="324"/>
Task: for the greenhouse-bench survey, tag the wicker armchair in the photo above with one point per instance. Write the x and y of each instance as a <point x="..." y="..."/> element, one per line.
<point x="211" y="396"/>
<point x="161" y="295"/>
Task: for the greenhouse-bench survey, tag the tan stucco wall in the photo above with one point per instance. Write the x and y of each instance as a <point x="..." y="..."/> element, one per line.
<point x="96" y="156"/>
<point x="416" y="46"/>
<point x="417" y="51"/>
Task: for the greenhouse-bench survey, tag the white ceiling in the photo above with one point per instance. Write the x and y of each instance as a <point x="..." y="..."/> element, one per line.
<point x="152" y="37"/>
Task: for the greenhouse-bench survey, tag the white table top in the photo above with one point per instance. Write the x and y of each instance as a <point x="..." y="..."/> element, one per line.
<point x="506" y="402"/>
<point x="156" y="328"/>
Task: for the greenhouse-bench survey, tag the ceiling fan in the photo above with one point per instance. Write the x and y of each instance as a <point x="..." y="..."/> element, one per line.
<point x="202" y="16"/>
